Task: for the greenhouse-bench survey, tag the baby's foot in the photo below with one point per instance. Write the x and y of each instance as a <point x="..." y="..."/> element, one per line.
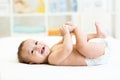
<point x="101" y="33"/>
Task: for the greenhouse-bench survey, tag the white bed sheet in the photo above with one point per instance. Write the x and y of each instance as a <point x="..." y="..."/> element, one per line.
<point x="10" y="69"/>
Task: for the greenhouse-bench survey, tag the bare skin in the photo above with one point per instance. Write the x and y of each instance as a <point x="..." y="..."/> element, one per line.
<point x="65" y="53"/>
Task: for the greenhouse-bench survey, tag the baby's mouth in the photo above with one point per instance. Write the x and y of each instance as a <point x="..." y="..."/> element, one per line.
<point x="43" y="50"/>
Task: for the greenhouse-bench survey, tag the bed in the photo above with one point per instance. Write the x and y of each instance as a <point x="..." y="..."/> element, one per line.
<point x="11" y="69"/>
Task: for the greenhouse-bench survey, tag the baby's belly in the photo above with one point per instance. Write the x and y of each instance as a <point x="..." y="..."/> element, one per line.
<point x="75" y="59"/>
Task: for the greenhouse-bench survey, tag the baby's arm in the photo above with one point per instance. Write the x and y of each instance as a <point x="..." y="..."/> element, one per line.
<point x="63" y="50"/>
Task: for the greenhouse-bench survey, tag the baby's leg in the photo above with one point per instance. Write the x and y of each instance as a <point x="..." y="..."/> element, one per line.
<point x="100" y="32"/>
<point x="87" y="49"/>
<point x="91" y="36"/>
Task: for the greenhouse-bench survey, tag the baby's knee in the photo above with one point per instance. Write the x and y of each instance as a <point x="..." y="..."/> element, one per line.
<point x="79" y="47"/>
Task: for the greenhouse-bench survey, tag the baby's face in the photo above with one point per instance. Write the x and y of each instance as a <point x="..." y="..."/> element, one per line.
<point x="35" y="51"/>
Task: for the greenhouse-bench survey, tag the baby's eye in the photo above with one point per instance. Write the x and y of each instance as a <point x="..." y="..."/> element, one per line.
<point x="32" y="51"/>
<point x="36" y="42"/>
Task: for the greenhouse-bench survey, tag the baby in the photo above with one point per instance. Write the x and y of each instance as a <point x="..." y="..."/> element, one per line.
<point x="65" y="53"/>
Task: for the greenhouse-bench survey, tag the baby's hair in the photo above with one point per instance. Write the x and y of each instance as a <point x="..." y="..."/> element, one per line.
<point x="21" y="58"/>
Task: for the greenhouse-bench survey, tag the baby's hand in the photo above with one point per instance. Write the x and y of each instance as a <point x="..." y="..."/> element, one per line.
<point x="64" y="30"/>
<point x="70" y="26"/>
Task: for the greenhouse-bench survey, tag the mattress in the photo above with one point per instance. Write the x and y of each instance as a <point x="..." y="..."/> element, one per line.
<point x="11" y="69"/>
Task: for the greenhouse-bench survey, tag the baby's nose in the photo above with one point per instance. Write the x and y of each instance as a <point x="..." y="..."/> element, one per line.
<point x="36" y="47"/>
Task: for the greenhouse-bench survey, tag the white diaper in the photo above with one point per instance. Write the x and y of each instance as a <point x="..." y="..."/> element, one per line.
<point x="102" y="59"/>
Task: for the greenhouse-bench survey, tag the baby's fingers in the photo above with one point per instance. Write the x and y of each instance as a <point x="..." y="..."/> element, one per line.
<point x="64" y="30"/>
